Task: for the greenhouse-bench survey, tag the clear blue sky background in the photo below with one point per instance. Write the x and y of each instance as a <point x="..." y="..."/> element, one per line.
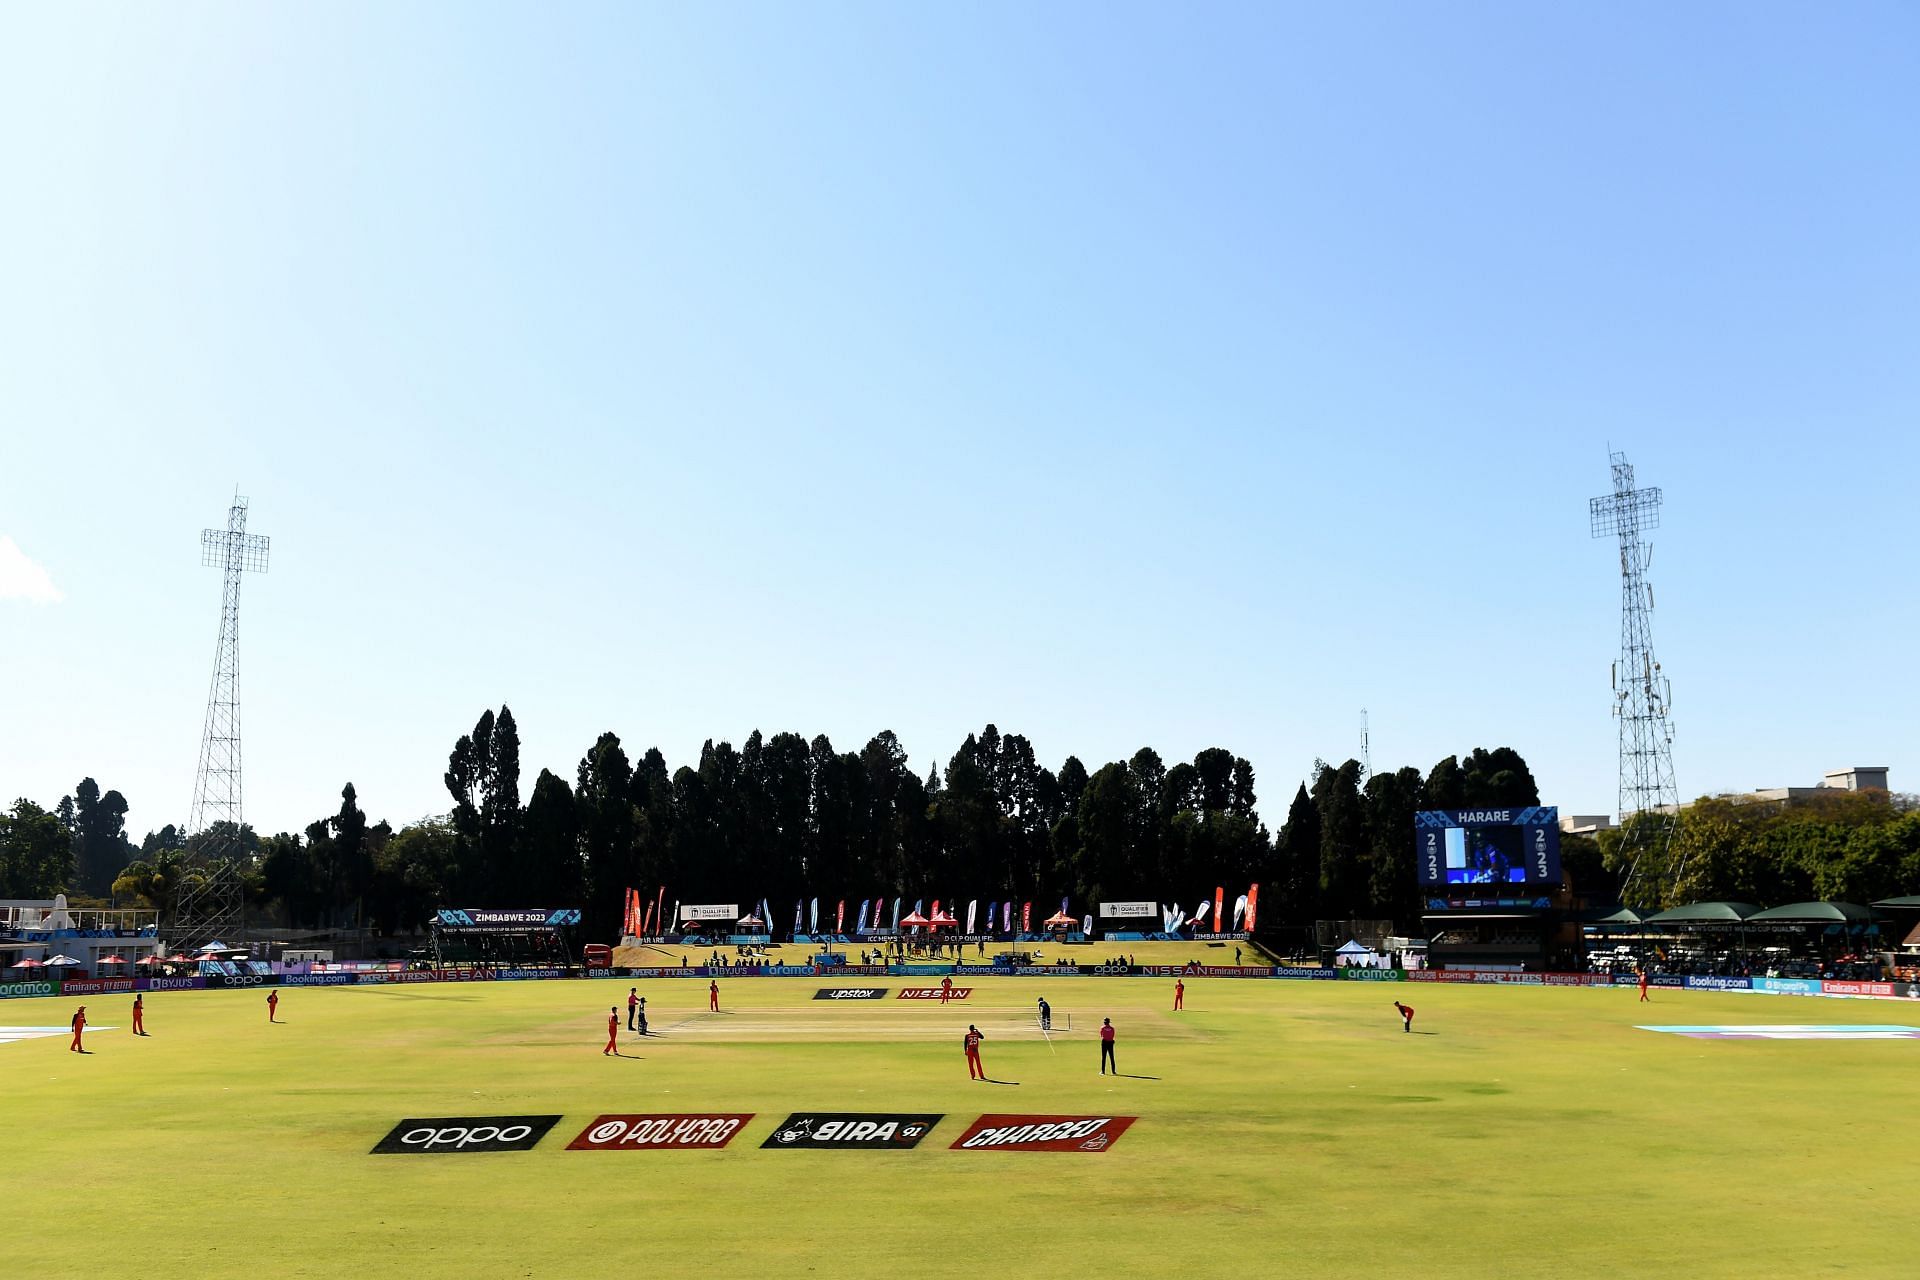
<point x="1120" y="374"/>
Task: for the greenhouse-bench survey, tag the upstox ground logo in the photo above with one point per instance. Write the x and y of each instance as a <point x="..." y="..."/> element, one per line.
<point x="852" y="1131"/>
<point x="850" y="993"/>
<point x="1042" y="1133"/>
<point x="462" y="1135"/>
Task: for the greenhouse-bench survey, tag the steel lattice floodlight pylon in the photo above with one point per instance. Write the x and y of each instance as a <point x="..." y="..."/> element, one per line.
<point x="1642" y="695"/>
<point x="211" y="899"/>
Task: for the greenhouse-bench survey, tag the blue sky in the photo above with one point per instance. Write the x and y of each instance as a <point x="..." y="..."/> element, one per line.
<point x="1119" y="374"/>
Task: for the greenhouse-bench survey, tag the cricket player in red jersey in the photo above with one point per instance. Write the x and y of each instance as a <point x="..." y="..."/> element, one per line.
<point x="974" y="1070"/>
<point x="946" y="989"/>
<point x="1643" y="986"/>
<point x="1179" y="994"/>
<point x="1406" y="1012"/>
<point x="713" y="997"/>
<point x="139" y="1016"/>
<point x="613" y="1031"/>
<point x="79" y="1025"/>
<point x="273" y="1006"/>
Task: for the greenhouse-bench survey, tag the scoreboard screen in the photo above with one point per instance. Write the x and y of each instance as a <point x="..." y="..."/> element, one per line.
<point x="1488" y="846"/>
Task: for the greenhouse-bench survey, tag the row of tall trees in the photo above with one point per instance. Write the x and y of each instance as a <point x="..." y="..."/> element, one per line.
<point x="784" y="816"/>
<point x="1850" y="846"/>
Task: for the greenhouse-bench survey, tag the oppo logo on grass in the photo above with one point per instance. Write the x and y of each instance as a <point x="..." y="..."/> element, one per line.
<point x="449" y="1135"/>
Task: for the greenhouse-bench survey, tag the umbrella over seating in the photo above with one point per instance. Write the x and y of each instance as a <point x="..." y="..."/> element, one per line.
<point x="63" y="962"/>
<point x="111" y="960"/>
<point x="29" y="963"/>
<point x="1060" y="920"/>
<point x="151" y="960"/>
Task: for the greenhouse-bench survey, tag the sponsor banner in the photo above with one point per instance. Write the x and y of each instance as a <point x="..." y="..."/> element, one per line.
<point x="796" y="970"/>
<point x="1710" y="983"/>
<point x="1207" y="970"/>
<point x="17" y="990"/>
<point x="850" y="993"/>
<point x="215" y="980"/>
<point x="1576" y="979"/>
<point x="996" y="1132"/>
<point x="1130" y="910"/>
<point x="452" y="1135"/>
<point x="95" y="986"/>
<point x="1322" y="975"/>
<point x="171" y="984"/>
<point x="515" y="974"/>
<point x="851" y="1131"/>
<point x="1786" y="986"/>
<point x="665" y="973"/>
<point x="1047" y="970"/>
<point x="526" y="918"/>
<point x="981" y="970"/>
<point x="920" y="970"/>
<point x="314" y="979"/>
<point x="860" y="970"/>
<point x="676" y="1131"/>
<point x="1222" y="937"/>
<point x="1831" y="988"/>
<point x="933" y="993"/>
<point x="727" y="911"/>
<point x="1372" y="975"/>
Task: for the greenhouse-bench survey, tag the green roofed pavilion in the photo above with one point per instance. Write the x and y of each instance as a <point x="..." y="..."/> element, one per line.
<point x="1705" y="913"/>
<point x="1814" y="913"/>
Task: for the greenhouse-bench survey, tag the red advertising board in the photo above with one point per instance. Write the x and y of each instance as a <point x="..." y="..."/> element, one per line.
<point x="997" y="1132"/>
<point x="95" y="986"/>
<point x="933" y="993"/>
<point x="1831" y="988"/>
<point x="661" y="1131"/>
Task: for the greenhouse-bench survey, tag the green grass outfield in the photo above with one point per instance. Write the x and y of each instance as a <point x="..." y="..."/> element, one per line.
<point x="1289" y="1126"/>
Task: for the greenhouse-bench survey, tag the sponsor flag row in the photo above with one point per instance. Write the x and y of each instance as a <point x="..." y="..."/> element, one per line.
<point x="713" y="1131"/>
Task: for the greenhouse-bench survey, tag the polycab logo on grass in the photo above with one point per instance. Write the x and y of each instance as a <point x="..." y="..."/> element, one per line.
<point x="850" y="993"/>
<point x="660" y="1132"/>
<point x="852" y="1131"/>
<point x="462" y="1134"/>
<point x="933" y="993"/>
<point x="1042" y="1133"/>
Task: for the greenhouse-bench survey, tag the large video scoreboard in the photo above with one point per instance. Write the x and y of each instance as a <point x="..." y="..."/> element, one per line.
<point x="1488" y="846"/>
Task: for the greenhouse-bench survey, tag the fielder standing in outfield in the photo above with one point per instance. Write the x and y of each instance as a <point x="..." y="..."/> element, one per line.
<point x="1179" y="994"/>
<point x="273" y="1006"/>
<point x="1406" y="1013"/>
<point x="1643" y="985"/>
<point x="79" y="1025"/>
<point x="613" y="1032"/>
<point x="946" y="988"/>
<point x="1106" y="1047"/>
<point x="972" y="1044"/>
<point x="713" y="996"/>
<point x="139" y="1016"/>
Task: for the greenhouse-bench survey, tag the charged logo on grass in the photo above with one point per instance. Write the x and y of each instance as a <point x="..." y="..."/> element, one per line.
<point x="1042" y="1133"/>
<point x="457" y="1134"/>
<point x="933" y="993"/>
<point x="659" y="1132"/>
<point x="850" y="993"/>
<point x="851" y="1131"/>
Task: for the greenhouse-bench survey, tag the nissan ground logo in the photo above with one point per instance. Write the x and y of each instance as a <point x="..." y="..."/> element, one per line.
<point x="455" y="1135"/>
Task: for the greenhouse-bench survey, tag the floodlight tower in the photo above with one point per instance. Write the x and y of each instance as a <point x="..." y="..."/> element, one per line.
<point x="1642" y="695"/>
<point x="210" y="902"/>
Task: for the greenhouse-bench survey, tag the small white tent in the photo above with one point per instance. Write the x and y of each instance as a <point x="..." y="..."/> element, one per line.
<point x="1356" y="956"/>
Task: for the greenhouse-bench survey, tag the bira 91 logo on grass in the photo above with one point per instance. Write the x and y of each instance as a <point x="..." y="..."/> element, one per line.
<point x="1042" y="1133"/>
<point x="851" y="1131"/>
<point x="459" y="1134"/>
<point x="850" y="993"/>
<point x="660" y="1132"/>
<point x="933" y="993"/>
